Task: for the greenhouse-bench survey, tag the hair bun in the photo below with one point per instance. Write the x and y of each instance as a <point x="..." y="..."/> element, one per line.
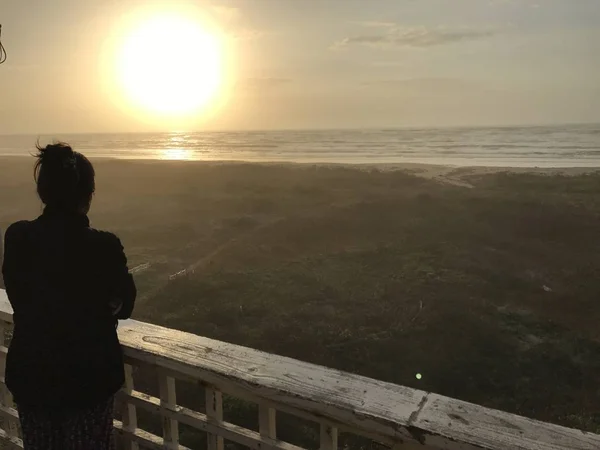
<point x="58" y="150"/>
<point x="70" y="163"/>
<point x="65" y="178"/>
<point x="58" y="154"/>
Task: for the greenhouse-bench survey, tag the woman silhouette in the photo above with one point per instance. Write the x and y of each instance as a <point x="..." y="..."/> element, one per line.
<point x="68" y="285"/>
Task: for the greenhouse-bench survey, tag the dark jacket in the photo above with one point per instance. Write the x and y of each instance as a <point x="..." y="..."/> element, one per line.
<point x="60" y="277"/>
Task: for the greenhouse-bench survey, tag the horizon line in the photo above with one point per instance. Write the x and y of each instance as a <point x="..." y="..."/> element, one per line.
<point x="276" y="130"/>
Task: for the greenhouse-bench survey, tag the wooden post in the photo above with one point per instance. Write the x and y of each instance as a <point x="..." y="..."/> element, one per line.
<point x="6" y="398"/>
<point x="267" y="421"/>
<point x="214" y="412"/>
<point x="128" y="411"/>
<point x="329" y="437"/>
<point x="168" y="399"/>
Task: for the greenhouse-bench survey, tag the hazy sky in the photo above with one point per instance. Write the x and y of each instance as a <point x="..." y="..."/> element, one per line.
<point x="320" y="64"/>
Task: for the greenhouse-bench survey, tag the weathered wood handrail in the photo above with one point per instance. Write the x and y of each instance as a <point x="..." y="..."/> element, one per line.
<point x="396" y="416"/>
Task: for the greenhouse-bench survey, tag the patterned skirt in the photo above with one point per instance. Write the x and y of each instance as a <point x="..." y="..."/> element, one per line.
<point x="84" y="429"/>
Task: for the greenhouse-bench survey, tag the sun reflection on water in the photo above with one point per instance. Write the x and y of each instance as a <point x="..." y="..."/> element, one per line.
<point x="179" y="154"/>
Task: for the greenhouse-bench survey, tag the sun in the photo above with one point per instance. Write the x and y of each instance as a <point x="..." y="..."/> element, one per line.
<point x="170" y="64"/>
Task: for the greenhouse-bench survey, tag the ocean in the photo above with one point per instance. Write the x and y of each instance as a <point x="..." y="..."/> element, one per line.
<point x="541" y="146"/>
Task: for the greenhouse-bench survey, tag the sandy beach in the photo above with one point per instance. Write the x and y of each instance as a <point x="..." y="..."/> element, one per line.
<point x="18" y="199"/>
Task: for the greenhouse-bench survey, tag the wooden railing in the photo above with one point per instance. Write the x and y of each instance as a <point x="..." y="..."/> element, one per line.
<point x="392" y="415"/>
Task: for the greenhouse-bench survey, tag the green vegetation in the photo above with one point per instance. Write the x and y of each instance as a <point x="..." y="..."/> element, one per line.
<point x="490" y="293"/>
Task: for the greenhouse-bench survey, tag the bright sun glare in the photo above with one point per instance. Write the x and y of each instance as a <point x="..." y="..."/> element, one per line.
<point x="170" y="64"/>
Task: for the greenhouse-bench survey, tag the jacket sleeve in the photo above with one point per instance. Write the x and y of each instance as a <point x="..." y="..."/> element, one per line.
<point x="13" y="270"/>
<point x="121" y="282"/>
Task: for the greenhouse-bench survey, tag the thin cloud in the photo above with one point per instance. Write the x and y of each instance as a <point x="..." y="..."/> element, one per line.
<point x="231" y="20"/>
<point x="526" y="3"/>
<point x="424" y="83"/>
<point x="389" y="63"/>
<point x="421" y="37"/>
<point x="263" y="83"/>
<point x="226" y="13"/>
<point x="247" y="34"/>
<point x="437" y="87"/>
<point x="375" y="24"/>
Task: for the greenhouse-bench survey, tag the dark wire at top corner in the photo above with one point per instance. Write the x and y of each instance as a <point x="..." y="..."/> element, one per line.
<point x="2" y="49"/>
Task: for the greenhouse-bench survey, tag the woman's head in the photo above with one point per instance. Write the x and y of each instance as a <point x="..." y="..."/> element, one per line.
<point x="65" y="179"/>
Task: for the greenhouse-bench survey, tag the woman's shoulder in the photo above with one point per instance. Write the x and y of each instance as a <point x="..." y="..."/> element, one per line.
<point x="105" y="238"/>
<point x="107" y="246"/>
<point x="17" y="229"/>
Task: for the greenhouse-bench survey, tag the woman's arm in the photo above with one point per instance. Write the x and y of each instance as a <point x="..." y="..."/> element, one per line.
<point x="122" y="286"/>
<point x="13" y="270"/>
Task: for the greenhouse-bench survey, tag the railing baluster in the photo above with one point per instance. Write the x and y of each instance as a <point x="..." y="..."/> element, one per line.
<point x="168" y="399"/>
<point x="128" y="411"/>
<point x="214" y="412"/>
<point x="267" y="421"/>
<point x="6" y="399"/>
<point x="329" y="437"/>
